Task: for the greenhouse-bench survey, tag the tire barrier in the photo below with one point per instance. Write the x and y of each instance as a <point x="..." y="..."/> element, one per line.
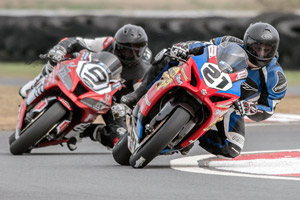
<point x="24" y="38"/>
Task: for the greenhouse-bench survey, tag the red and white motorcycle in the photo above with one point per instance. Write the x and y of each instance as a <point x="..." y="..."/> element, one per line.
<point x="64" y="103"/>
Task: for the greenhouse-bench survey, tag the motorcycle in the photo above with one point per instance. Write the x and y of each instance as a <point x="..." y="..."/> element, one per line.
<point x="64" y="103"/>
<point x="186" y="102"/>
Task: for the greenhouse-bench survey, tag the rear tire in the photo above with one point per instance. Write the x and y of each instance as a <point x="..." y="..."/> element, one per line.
<point x="12" y="138"/>
<point x="161" y="139"/>
<point x="38" y="129"/>
<point x="121" y="152"/>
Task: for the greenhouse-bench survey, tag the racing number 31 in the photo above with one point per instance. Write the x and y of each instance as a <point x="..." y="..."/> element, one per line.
<point x="214" y="78"/>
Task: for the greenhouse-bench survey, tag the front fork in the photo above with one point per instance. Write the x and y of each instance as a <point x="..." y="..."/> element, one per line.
<point x="136" y="129"/>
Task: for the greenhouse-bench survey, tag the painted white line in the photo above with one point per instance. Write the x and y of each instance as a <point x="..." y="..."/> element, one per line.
<point x="280" y="117"/>
<point x="191" y="164"/>
<point x="277" y="118"/>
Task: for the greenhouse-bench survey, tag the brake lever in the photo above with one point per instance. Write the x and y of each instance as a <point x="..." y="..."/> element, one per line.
<point x="44" y="56"/>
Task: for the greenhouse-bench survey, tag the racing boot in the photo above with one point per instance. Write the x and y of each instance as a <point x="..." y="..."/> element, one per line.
<point x="132" y="98"/>
<point x="47" y="69"/>
<point x="106" y="135"/>
<point x="29" y="85"/>
<point x="214" y="143"/>
<point x="72" y="144"/>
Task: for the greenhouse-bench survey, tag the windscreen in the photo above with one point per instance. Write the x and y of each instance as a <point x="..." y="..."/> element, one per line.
<point x="110" y="62"/>
<point x="231" y="57"/>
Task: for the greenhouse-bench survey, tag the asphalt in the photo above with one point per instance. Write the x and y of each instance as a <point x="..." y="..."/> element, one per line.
<point x="90" y="172"/>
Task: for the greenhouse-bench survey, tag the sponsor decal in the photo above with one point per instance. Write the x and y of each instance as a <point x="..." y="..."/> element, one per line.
<point x="147" y="55"/>
<point x="85" y="55"/>
<point x="107" y="42"/>
<point x="60" y="128"/>
<point x="140" y="162"/>
<point x="164" y="81"/>
<point x="71" y="64"/>
<point x="242" y="75"/>
<point x="203" y="92"/>
<point x="218" y="112"/>
<point x="173" y="71"/>
<point x="147" y="100"/>
<point x="238" y="139"/>
<point x="40" y="106"/>
<point x="212" y="51"/>
<point x="79" y="128"/>
<point x="267" y="36"/>
<point x="178" y="78"/>
<point x="167" y="77"/>
<point x="281" y="84"/>
<point x="116" y="85"/>
<point x="184" y="75"/>
<point x="246" y="86"/>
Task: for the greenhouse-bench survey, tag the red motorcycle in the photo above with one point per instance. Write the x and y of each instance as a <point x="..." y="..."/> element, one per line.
<point x="65" y="102"/>
<point x="184" y="104"/>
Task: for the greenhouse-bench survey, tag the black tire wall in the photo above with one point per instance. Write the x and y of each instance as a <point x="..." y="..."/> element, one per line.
<point x="24" y="38"/>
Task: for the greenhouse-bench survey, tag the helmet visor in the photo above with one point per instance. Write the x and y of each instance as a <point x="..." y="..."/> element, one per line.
<point x="259" y="50"/>
<point x="130" y="52"/>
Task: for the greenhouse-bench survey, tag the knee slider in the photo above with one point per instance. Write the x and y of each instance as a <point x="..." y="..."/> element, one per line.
<point x="232" y="150"/>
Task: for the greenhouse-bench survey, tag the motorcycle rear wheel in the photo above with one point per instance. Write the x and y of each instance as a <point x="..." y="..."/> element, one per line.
<point x="38" y="129"/>
<point x="161" y="139"/>
<point x="121" y="152"/>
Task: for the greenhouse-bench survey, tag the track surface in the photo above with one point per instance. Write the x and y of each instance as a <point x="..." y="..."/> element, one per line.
<point x="91" y="173"/>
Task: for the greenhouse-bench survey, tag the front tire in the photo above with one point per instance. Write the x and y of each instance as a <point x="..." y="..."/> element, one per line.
<point x="38" y="129"/>
<point x="161" y="139"/>
<point x="121" y="152"/>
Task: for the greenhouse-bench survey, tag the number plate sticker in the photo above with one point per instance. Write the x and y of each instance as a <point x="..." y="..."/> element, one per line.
<point x="215" y="78"/>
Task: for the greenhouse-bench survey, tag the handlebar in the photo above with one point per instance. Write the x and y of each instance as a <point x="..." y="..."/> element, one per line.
<point x="47" y="57"/>
<point x="167" y="54"/>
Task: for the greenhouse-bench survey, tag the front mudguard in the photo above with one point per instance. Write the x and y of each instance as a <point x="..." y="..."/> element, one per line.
<point x="39" y="107"/>
<point x="169" y="109"/>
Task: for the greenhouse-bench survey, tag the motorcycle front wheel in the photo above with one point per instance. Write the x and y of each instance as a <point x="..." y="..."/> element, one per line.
<point x="121" y="152"/>
<point x="38" y="129"/>
<point x="167" y="132"/>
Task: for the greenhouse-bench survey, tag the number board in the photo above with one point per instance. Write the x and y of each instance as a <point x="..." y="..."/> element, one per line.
<point x="215" y="78"/>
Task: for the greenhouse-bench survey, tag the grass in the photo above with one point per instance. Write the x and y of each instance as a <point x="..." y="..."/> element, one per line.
<point x="293" y="77"/>
<point x="20" y="70"/>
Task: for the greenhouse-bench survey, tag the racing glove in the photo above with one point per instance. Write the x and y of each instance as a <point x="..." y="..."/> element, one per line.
<point x="57" y="53"/>
<point x="178" y="51"/>
<point x="132" y="98"/>
<point x="245" y="108"/>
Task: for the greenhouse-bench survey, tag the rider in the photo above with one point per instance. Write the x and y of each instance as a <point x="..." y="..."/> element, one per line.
<point x="130" y="45"/>
<point x="263" y="89"/>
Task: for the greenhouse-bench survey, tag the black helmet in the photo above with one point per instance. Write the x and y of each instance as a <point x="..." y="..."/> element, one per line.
<point x="130" y="43"/>
<point x="261" y="42"/>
